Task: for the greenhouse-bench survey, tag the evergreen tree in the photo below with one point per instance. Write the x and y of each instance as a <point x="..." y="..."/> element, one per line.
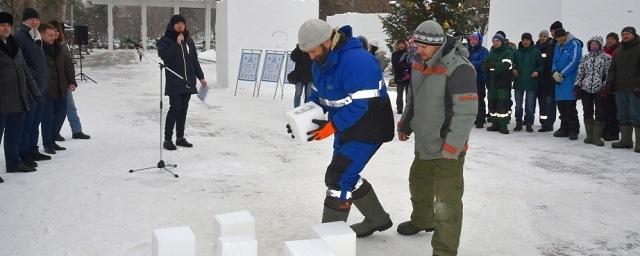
<point x="464" y="16"/>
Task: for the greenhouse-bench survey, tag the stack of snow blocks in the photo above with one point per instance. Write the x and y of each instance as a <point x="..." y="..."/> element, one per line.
<point x="335" y="239"/>
<point x="237" y="234"/>
<point x="177" y="241"/>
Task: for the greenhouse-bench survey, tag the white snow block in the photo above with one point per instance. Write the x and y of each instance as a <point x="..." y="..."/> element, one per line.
<point x="338" y="236"/>
<point x="240" y="223"/>
<point x="313" y="247"/>
<point x="177" y="241"/>
<point x="237" y="246"/>
<point x="300" y="119"/>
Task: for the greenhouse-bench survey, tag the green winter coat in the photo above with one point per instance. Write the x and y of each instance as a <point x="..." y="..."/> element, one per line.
<point x="500" y="76"/>
<point x="526" y="61"/>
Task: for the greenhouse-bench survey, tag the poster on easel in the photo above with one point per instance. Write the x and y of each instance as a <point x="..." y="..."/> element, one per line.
<point x="248" y="69"/>
<point x="271" y="69"/>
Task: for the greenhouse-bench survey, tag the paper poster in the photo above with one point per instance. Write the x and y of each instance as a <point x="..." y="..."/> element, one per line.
<point x="249" y="64"/>
<point x="272" y="67"/>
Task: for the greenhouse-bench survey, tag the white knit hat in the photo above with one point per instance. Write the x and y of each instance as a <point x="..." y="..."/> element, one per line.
<point x="313" y="33"/>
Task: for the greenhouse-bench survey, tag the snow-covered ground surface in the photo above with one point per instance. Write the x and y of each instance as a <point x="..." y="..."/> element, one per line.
<point x="525" y="194"/>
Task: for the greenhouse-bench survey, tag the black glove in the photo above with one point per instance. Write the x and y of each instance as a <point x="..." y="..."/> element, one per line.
<point x="290" y="131"/>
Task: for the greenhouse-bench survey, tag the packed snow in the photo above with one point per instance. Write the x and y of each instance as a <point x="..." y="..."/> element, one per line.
<point x="526" y="193"/>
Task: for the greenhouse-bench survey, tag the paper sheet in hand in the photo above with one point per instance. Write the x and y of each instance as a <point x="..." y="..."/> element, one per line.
<point x="202" y="93"/>
<point x="300" y="119"/>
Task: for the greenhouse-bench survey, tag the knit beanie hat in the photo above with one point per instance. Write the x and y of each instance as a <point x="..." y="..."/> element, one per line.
<point x="177" y="18"/>
<point x="500" y="32"/>
<point x="544" y="33"/>
<point x="499" y="37"/>
<point x="556" y="25"/>
<point x="29" y="13"/>
<point x="429" y="33"/>
<point x="6" y="18"/>
<point x="527" y="36"/>
<point x="631" y="30"/>
<point x="474" y="36"/>
<point x="313" y="33"/>
<point x="614" y="35"/>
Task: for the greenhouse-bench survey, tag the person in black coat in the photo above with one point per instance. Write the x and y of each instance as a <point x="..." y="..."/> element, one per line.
<point x="301" y="75"/>
<point x="30" y="42"/>
<point x="17" y="91"/>
<point x="401" y="77"/>
<point x="546" y="84"/>
<point x="178" y="52"/>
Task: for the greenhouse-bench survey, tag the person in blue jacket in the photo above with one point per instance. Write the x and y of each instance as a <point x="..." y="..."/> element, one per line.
<point x="566" y="60"/>
<point x="477" y="55"/>
<point x="348" y="85"/>
<point x="178" y="52"/>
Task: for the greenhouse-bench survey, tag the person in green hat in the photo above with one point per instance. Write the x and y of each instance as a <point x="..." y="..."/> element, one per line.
<point x="441" y="111"/>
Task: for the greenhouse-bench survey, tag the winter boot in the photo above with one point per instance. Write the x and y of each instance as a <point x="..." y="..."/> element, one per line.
<point x="50" y="150"/>
<point x="59" y="138"/>
<point x="493" y="127"/>
<point x="505" y="130"/>
<point x="479" y="125"/>
<point x="58" y="147"/>
<point x="626" y="131"/>
<point x="1" y="180"/>
<point x="529" y="128"/>
<point x="28" y="161"/>
<point x="561" y="133"/>
<point x="331" y="215"/>
<point x="545" y="129"/>
<point x="168" y="145"/>
<point x="375" y="218"/>
<point x="407" y="228"/>
<point x="637" y="130"/>
<point x="80" y="136"/>
<point x="588" y="126"/>
<point x="573" y="135"/>
<point x="598" y="127"/>
<point x="22" y="168"/>
<point x="183" y="143"/>
<point x="37" y="156"/>
<point x="518" y="127"/>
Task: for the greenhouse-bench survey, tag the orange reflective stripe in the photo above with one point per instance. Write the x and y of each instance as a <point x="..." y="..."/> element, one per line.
<point x="440" y="70"/>
<point x="449" y="148"/>
<point x="468" y="97"/>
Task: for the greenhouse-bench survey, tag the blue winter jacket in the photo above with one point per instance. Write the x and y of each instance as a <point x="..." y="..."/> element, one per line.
<point x="566" y="60"/>
<point x="477" y="55"/>
<point x="34" y="56"/>
<point x="347" y="69"/>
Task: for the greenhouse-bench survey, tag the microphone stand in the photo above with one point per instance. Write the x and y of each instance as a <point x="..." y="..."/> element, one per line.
<point x="161" y="164"/>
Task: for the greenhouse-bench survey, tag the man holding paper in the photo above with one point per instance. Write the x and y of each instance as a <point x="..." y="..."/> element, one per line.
<point x="349" y="87"/>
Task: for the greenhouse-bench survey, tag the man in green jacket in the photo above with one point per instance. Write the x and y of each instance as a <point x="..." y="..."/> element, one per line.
<point x="441" y="109"/>
<point x="527" y="66"/>
<point x="498" y="67"/>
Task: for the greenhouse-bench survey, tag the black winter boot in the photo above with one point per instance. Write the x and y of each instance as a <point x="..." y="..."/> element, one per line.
<point x="561" y="133"/>
<point x="50" y="150"/>
<point x="41" y="157"/>
<point x="505" y="130"/>
<point x="407" y="228"/>
<point x="183" y="143"/>
<point x="22" y="168"/>
<point x="518" y="127"/>
<point x="80" y="136"/>
<point x="493" y="127"/>
<point x="375" y="218"/>
<point x="168" y="145"/>
<point x="59" y="138"/>
<point x="58" y="147"/>
<point x="588" y="126"/>
<point x="529" y="128"/>
<point x="28" y="161"/>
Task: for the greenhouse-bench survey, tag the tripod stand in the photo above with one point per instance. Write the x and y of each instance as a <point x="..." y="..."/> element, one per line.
<point x="161" y="164"/>
<point x="82" y="75"/>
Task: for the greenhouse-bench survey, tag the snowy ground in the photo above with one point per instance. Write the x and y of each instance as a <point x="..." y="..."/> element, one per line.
<point x="526" y="194"/>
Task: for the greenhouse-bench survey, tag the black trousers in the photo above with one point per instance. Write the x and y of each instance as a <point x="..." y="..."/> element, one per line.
<point x="177" y="115"/>
<point x="402" y="88"/>
<point x="612" y="126"/>
<point x="568" y="116"/>
<point x="589" y="100"/>
<point x="482" y="105"/>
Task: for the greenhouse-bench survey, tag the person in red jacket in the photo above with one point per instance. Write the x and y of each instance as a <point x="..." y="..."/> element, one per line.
<point x="612" y="127"/>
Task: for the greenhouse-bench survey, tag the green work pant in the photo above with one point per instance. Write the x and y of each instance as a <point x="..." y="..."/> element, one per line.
<point x="499" y="100"/>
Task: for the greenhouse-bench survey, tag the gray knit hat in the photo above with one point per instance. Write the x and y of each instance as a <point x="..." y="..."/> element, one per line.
<point x="313" y="33"/>
<point x="429" y="33"/>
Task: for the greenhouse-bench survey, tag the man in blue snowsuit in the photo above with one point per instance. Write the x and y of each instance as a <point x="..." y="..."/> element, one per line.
<point x="349" y="86"/>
